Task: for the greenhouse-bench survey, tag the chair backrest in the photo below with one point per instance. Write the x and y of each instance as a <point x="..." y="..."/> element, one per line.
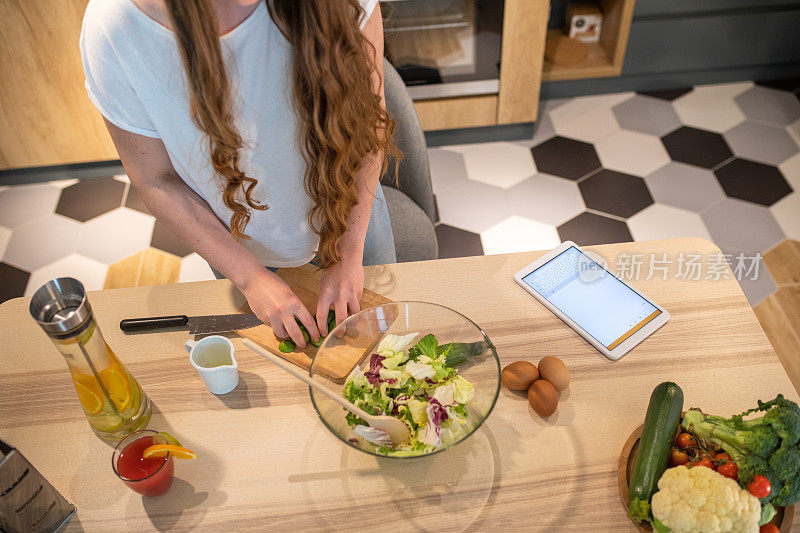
<point x="414" y="173"/>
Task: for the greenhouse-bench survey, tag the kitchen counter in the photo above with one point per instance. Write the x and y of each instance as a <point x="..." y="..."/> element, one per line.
<point x="267" y="462"/>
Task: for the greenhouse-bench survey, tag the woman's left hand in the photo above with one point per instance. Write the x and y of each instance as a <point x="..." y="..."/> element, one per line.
<point x="341" y="286"/>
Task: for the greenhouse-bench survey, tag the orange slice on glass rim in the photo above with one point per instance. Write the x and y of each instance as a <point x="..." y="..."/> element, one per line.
<point x="161" y="450"/>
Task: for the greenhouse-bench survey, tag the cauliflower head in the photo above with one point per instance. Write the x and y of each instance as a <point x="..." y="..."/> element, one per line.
<point x="701" y="500"/>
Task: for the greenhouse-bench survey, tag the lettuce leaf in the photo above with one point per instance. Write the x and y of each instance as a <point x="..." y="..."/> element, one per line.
<point x="417" y="409"/>
<point x="464" y="391"/>
<point x="394" y="343"/>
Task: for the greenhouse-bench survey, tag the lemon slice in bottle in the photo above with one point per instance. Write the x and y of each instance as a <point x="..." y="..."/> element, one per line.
<point x="91" y="402"/>
<point x="118" y="387"/>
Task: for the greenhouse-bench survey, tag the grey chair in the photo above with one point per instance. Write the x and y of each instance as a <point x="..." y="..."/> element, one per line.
<point x="409" y="195"/>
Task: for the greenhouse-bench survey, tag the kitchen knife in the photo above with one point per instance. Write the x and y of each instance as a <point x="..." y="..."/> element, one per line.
<point x="197" y="325"/>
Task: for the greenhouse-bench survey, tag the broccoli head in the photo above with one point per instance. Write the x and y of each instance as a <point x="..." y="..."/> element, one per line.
<point x="734" y="438"/>
<point x="781" y="414"/>
<point x="785" y="462"/>
<point x="788" y="494"/>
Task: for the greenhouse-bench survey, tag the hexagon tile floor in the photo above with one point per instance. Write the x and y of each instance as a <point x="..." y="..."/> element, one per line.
<point x="719" y="161"/>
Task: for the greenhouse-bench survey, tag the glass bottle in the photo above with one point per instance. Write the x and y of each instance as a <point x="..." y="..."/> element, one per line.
<point x="112" y="400"/>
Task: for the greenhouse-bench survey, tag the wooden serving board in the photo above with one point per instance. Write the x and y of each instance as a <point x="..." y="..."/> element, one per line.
<point x="304" y="281"/>
<point x="784" y="516"/>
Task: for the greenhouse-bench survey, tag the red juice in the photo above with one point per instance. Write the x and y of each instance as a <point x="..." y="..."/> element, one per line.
<point x="150" y="477"/>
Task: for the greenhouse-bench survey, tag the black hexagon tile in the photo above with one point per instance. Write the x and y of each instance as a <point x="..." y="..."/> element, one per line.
<point x="784" y="84"/>
<point x="615" y="193"/>
<point x="696" y="147"/>
<point x="565" y="157"/>
<point x="590" y="228"/>
<point x="90" y="197"/>
<point x="165" y="240"/>
<point x="669" y="95"/>
<point x="13" y="281"/>
<point x="752" y="181"/>
<point x="456" y="242"/>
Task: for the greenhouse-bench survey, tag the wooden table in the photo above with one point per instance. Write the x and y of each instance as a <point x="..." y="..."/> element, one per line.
<point x="267" y="462"/>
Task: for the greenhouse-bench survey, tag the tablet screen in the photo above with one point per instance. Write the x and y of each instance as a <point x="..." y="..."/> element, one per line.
<point x="596" y="300"/>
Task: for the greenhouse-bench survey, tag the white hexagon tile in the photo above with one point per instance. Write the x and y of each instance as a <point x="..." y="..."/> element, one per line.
<point x="23" y="204"/>
<point x="42" y="242"/>
<point x="546" y="198"/>
<point x="666" y="222"/>
<point x="518" y="234"/>
<point x="500" y="164"/>
<point x="116" y="235"/>
<point x="90" y="272"/>
<point x="632" y="152"/>
<point x="709" y="111"/>
<point x="590" y="126"/>
<point x="474" y="206"/>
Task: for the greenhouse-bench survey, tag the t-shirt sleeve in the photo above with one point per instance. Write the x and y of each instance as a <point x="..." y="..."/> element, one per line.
<point x="107" y="85"/>
<point x="369" y="7"/>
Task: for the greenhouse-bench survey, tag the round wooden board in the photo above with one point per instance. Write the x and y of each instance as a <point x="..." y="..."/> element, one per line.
<point x="784" y="516"/>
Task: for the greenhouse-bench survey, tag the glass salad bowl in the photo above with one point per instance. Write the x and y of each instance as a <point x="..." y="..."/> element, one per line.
<point x="423" y="363"/>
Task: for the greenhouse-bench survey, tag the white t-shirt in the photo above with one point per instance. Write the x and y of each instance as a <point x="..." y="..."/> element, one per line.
<point x="135" y="77"/>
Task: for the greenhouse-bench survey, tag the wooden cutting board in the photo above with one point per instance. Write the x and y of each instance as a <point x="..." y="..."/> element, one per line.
<point x="304" y="281"/>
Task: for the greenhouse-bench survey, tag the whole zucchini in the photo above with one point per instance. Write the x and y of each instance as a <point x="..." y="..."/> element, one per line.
<point x="660" y="423"/>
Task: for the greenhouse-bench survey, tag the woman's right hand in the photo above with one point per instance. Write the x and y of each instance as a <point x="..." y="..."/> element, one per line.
<point x="273" y="301"/>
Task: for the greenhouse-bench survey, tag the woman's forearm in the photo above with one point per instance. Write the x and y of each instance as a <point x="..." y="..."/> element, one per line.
<point x="351" y="246"/>
<point x="191" y="219"/>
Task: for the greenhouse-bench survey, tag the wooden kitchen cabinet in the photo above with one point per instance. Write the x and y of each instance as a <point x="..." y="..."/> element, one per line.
<point x="45" y="116"/>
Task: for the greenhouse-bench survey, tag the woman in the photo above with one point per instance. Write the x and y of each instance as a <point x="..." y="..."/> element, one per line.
<point x="256" y="132"/>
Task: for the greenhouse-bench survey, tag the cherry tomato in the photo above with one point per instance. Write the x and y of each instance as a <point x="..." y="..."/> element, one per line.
<point x="677" y="457"/>
<point x="723" y="457"/>
<point x="705" y="461"/>
<point x="769" y="528"/>
<point x="685" y="440"/>
<point x="728" y="469"/>
<point x="759" y="487"/>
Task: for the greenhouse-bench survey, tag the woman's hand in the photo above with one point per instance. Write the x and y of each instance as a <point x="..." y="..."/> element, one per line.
<point x="275" y="304"/>
<point x="341" y="286"/>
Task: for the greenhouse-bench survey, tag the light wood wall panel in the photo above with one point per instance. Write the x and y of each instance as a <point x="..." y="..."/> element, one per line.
<point x="452" y="113"/>
<point x="45" y="116"/>
<point x="524" y="32"/>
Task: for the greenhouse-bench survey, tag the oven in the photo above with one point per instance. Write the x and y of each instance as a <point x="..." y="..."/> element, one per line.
<point x="444" y="48"/>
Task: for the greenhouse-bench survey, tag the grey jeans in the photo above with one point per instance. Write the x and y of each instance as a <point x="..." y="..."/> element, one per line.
<point x="379" y="242"/>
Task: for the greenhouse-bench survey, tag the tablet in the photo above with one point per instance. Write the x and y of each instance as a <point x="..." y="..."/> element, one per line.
<point x="610" y="314"/>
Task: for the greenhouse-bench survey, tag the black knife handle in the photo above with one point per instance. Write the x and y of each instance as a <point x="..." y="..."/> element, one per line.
<point x="153" y="322"/>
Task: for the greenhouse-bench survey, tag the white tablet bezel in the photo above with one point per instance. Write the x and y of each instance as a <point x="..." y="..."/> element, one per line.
<point x="622" y="348"/>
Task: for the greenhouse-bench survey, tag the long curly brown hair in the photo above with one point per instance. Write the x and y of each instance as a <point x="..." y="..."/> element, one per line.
<point x="341" y="119"/>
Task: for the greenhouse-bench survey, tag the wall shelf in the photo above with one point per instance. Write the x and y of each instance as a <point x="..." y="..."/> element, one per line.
<point x="605" y="56"/>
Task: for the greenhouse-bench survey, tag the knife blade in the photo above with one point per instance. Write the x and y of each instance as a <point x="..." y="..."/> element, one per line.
<point x="197" y="325"/>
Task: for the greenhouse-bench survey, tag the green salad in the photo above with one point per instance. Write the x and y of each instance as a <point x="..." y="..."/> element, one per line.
<point x="417" y="383"/>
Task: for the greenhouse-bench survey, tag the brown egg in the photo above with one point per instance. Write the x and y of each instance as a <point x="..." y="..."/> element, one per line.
<point x="519" y="375"/>
<point x="555" y="371"/>
<point x="543" y="397"/>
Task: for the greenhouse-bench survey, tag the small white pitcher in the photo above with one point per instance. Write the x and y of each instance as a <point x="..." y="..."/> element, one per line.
<point x="206" y="355"/>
